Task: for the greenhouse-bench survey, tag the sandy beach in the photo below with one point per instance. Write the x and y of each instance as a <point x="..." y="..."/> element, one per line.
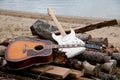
<point x="15" y="24"/>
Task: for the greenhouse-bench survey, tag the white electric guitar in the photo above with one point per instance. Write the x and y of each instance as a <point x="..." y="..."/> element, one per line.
<point x="66" y="39"/>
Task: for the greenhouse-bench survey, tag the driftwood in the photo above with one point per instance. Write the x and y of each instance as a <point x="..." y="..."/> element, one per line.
<point x="84" y="37"/>
<point x="2" y="51"/>
<point x="105" y="76"/>
<point x="44" y="30"/>
<point x="6" y="42"/>
<point x="83" y="78"/>
<point x="90" y="70"/>
<point x="9" y="40"/>
<point x="109" y="67"/>
<point x="11" y="76"/>
<point x="110" y="50"/>
<point x="74" y="64"/>
<point x="23" y="75"/>
<point x="52" y="70"/>
<point x="3" y="62"/>
<point x="100" y="41"/>
<point x="116" y="56"/>
<point x="96" y="26"/>
<point x="96" y="57"/>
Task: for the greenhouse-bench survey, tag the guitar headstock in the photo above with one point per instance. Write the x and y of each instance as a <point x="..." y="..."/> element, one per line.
<point x="50" y="11"/>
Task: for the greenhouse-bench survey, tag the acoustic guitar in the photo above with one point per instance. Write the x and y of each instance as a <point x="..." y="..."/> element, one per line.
<point x="24" y="53"/>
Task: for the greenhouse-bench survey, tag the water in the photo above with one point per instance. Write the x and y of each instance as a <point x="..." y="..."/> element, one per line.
<point x="84" y="8"/>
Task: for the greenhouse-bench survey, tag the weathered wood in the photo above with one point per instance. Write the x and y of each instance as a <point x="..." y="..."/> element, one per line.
<point x="2" y="51"/>
<point x="116" y="56"/>
<point x="11" y="76"/>
<point x="52" y="70"/>
<point x="96" y="57"/>
<point x="83" y="78"/>
<point x="109" y="67"/>
<point x="44" y="29"/>
<point x="105" y="76"/>
<point x="6" y="42"/>
<point x="3" y="62"/>
<point x="100" y="41"/>
<point x="110" y="50"/>
<point x="91" y="70"/>
<point x="74" y="64"/>
<point x="59" y="72"/>
<point x="9" y="40"/>
<point x="76" y="73"/>
<point x="24" y="75"/>
<point x="96" y="26"/>
<point x="84" y="37"/>
<point x="59" y="57"/>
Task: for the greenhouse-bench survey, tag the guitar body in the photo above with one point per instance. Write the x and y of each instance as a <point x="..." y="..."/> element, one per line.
<point x="24" y="53"/>
<point x="69" y="39"/>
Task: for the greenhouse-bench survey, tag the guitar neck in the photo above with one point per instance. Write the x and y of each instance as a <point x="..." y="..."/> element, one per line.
<point x="58" y="25"/>
<point x="88" y="45"/>
<point x="67" y="46"/>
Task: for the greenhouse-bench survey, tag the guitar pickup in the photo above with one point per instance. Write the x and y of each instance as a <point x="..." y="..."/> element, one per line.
<point x="94" y="46"/>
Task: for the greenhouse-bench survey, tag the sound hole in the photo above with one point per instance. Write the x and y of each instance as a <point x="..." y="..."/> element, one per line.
<point x="39" y="47"/>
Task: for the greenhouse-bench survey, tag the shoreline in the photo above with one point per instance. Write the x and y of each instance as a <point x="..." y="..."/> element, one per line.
<point x="61" y="18"/>
<point x="16" y="24"/>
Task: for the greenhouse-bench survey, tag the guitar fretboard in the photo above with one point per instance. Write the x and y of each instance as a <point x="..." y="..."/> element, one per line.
<point x="94" y="46"/>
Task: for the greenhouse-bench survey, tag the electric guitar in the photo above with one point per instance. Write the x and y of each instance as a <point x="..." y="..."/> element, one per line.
<point x="65" y="39"/>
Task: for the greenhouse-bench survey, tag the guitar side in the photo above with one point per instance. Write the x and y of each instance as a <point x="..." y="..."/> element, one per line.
<point x="24" y="53"/>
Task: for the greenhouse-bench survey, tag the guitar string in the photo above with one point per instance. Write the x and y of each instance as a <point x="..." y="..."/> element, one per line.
<point x="63" y="46"/>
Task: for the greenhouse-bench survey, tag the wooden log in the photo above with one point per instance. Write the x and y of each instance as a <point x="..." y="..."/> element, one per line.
<point x="9" y="40"/>
<point x="96" y="26"/>
<point x="116" y="56"/>
<point x="6" y="42"/>
<point x="74" y="64"/>
<point x="106" y="76"/>
<point x="2" y="51"/>
<point x="109" y="67"/>
<point x="59" y="57"/>
<point x="100" y="41"/>
<point x="110" y="50"/>
<point x="84" y="37"/>
<point x="96" y="57"/>
<point x="3" y="62"/>
<point x="91" y="70"/>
